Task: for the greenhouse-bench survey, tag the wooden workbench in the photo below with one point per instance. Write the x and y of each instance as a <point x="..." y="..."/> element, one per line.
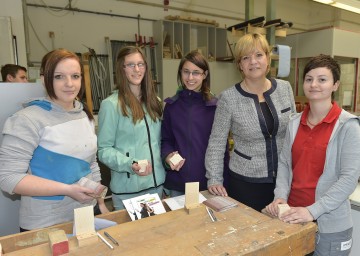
<point x="238" y="231"/>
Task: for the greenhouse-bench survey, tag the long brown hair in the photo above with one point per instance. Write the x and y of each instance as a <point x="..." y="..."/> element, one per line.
<point x="197" y="59"/>
<point x="126" y="97"/>
<point x="47" y="70"/>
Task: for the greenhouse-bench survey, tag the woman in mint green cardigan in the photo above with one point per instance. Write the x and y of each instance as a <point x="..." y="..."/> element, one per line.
<point x="129" y="130"/>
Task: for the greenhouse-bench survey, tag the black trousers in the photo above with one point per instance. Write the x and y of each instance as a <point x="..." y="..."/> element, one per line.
<point x="254" y="195"/>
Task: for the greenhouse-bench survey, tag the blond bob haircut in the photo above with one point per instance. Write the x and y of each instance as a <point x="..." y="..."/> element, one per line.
<point x="248" y="44"/>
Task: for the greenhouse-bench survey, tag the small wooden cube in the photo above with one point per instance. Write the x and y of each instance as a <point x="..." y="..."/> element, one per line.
<point x="282" y="208"/>
<point x="175" y="159"/>
<point x="59" y="242"/>
<point x="143" y="164"/>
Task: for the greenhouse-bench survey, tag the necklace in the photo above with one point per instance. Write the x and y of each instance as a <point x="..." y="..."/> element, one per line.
<point x="136" y="90"/>
<point x="308" y="121"/>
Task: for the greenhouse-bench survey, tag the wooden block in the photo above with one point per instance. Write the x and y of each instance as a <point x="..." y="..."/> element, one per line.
<point x="99" y="189"/>
<point x="0" y="250"/>
<point x="143" y="164"/>
<point x="85" y="225"/>
<point x="282" y="208"/>
<point x="175" y="159"/>
<point x="191" y="195"/>
<point x="59" y="243"/>
<point x="194" y="208"/>
<point x="87" y="239"/>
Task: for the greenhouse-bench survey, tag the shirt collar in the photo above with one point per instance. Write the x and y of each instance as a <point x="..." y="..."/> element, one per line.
<point x="329" y="118"/>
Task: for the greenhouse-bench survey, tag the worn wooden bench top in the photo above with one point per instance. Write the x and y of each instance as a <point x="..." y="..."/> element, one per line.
<point x="238" y="231"/>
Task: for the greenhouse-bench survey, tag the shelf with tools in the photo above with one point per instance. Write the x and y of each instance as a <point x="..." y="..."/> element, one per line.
<point x="177" y="38"/>
<point x="260" y="25"/>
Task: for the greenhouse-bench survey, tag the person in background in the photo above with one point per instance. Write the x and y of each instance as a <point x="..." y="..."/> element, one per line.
<point x="256" y="111"/>
<point x="129" y="130"/>
<point x="14" y="73"/>
<point x="144" y="211"/>
<point x="186" y="126"/>
<point x="319" y="165"/>
<point x="49" y="146"/>
<point x="150" y="210"/>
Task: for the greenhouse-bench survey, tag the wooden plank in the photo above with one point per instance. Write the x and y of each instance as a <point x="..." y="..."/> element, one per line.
<point x="88" y="94"/>
<point x="192" y="19"/>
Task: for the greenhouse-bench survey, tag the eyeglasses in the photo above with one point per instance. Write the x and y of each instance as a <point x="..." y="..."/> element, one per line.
<point x="140" y="65"/>
<point x="195" y="73"/>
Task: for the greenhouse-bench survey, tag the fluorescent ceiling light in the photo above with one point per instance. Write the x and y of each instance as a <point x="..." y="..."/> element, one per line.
<point x="324" y="1"/>
<point x="348" y="5"/>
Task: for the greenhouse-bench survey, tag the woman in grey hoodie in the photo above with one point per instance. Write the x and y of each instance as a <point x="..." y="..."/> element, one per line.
<point x="319" y="165"/>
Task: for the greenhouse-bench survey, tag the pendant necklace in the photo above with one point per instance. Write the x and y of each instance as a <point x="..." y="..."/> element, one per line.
<point x="308" y="121"/>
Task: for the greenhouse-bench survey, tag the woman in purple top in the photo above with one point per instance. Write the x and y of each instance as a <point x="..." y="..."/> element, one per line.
<point x="187" y="123"/>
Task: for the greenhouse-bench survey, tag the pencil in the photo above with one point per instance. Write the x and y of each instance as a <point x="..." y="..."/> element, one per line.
<point x="210" y="214"/>
<point x="111" y="238"/>
<point x="104" y="240"/>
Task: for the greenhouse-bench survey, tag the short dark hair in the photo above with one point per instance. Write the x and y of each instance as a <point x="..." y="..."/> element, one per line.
<point x="324" y="61"/>
<point x="10" y="69"/>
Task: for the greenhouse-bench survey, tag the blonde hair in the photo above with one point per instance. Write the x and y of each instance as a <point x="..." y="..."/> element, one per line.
<point x="248" y="44"/>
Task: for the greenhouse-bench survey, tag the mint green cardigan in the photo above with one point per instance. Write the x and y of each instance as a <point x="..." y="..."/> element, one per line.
<point x="120" y="142"/>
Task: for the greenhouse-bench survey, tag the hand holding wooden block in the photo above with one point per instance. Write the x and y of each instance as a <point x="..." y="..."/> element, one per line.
<point x="99" y="189"/>
<point x="143" y="164"/>
<point x="282" y="208"/>
<point x="175" y="159"/>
